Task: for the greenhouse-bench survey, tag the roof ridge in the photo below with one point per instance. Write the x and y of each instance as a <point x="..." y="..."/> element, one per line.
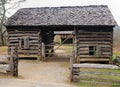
<point x="67" y="7"/>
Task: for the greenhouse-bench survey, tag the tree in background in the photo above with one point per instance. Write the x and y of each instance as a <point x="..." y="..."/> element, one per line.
<point x="5" y="6"/>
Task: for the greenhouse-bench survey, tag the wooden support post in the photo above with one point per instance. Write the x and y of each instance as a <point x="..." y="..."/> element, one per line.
<point x="74" y="71"/>
<point x="76" y="74"/>
<point x="13" y="61"/>
<point x="71" y="69"/>
<point x="43" y="51"/>
<point x="75" y="45"/>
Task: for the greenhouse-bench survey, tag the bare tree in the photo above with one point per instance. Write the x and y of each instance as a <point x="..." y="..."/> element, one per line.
<point x="5" y="6"/>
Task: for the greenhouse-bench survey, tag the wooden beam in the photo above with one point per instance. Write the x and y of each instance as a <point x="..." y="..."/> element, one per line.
<point x="99" y="66"/>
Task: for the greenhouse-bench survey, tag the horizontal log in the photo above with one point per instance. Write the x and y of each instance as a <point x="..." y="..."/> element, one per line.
<point x="85" y="32"/>
<point x="28" y="51"/>
<point x="83" y="51"/>
<point x="85" y="48"/>
<point x="98" y="73"/>
<point x="4" y="56"/>
<point x="16" y="38"/>
<point x="96" y="59"/>
<point x="12" y="44"/>
<point x="29" y="56"/>
<point x="106" y="53"/>
<point x="94" y="39"/>
<point x="94" y="36"/>
<point x="4" y="59"/>
<point x="85" y="55"/>
<point x="20" y="35"/>
<point x="10" y="41"/>
<point x="95" y="42"/>
<point x="99" y="66"/>
<point x="30" y="48"/>
<point x="87" y="45"/>
<point x="12" y="38"/>
<point x="34" y="41"/>
<point x="24" y="32"/>
<point x="4" y="67"/>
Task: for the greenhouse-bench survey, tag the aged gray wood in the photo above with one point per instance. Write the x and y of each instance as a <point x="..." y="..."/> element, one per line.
<point x="4" y="67"/>
<point x="43" y="50"/>
<point x="99" y="73"/>
<point x="100" y="66"/>
<point x="17" y="38"/>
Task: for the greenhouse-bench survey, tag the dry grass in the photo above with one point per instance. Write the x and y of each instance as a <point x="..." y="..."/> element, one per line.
<point x="3" y="50"/>
<point x="116" y="51"/>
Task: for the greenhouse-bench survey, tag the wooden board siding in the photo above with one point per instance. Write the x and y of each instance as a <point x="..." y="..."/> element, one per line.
<point x="34" y="48"/>
<point x="101" y="40"/>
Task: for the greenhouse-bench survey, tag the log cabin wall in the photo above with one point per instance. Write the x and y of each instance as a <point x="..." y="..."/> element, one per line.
<point x="94" y="42"/>
<point x="27" y="39"/>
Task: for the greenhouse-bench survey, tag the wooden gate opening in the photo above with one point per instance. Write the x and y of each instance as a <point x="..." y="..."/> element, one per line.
<point x="58" y="48"/>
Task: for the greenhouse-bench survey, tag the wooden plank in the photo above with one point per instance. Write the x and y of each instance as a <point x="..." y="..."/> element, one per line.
<point x="4" y="67"/>
<point x="19" y="35"/>
<point x="86" y="32"/>
<point x="16" y="38"/>
<point x="94" y="36"/>
<point x="99" y="73"/>
<point x="91" y="59"/>
<point x="23" y="32"/>
<point x="28" y="51"/>
<point x="95" y="42"/>
<point x="4" y="56"/>
<point x="94" y="39"/>
<point x="10" y="41"/>
<point x="4" y="59"/>
<point x="87" y="45"/>
<point x="43" y="50"/>
<point x="106" y="53"/>
<point x="99" y="66"/>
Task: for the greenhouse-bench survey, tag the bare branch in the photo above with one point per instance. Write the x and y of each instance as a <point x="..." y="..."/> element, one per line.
<point x="11" y="4"/>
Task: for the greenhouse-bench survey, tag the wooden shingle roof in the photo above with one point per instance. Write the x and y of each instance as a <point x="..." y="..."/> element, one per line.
<point x="76" y="15"/>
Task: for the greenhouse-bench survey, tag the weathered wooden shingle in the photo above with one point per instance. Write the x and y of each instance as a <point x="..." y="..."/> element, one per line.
<point x="76" y="15"/>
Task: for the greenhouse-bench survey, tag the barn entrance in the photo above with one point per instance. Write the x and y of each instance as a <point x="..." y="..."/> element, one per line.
<point x="58" y="44"/>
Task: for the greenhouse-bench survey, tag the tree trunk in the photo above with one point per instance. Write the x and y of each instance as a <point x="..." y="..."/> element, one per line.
<point x="2" y="22"/>
<point x="1" y="36"/>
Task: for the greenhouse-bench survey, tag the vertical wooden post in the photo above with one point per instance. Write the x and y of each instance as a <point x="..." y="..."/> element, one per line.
<point x="75" y="46"/>
<point x="74" y="71"/>
<point x="71" y="68"/>
<point x="43" y="51"/>
<point x="13" y="61"/>
<point x="39" y="58"/>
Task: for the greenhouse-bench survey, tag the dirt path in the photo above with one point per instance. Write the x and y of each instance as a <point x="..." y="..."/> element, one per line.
<point x="51" y="71"/>
<point x="25" y="83"/>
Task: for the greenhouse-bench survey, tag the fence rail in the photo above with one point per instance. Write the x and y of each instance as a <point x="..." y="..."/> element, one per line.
<point x="76" y="73"/>
<point x="9" y="62"/>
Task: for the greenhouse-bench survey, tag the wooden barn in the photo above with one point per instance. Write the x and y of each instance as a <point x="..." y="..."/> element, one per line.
<point x="92" y="28"/>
